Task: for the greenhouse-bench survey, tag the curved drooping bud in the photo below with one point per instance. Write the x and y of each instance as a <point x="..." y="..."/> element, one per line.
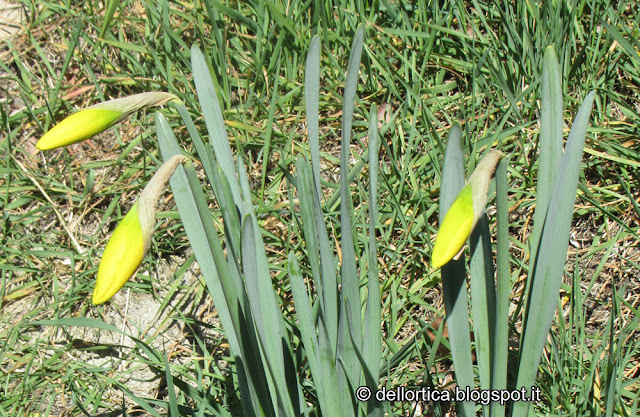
<point x="99" y="117"/>
<point x="132" y="237"/>
<point x="464" y="213"/>
<point x="148" y="199"/>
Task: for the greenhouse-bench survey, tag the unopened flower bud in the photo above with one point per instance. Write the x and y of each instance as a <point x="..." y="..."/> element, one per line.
<point x="97" y="118"/>
<point x="464" y="213"/>
<point x="132" y="238"/>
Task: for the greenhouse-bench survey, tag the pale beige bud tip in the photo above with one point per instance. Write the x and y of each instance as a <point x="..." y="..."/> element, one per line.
<point x="148" y="199"/>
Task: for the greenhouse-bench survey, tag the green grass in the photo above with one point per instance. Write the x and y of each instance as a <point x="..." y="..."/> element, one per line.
<point x="474" y="62"/>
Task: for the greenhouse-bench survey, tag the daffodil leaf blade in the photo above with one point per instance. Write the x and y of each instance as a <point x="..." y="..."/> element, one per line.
<point x="453" y="273"/>
<point x="371" y="344"/>
<point x="549" y="142"/>
<point x="482" y="288"/>
<point x="452" y="176"/>
<point x="267" y="315"/>
<point x="503" y="289"/>
<point x="307" y="327"/>
<point x="214" y="120"/>
<point x="350" y="279"/>
<point x="312" y="98"/>
<point x="552" y="252"/>
<point x="199" y="228"/>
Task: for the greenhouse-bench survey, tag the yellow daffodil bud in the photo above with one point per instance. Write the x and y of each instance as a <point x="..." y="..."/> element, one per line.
<point x="456" y="227"/>
<point x="94" y="119"/>
<point x="464" y="213"/>
<point x="132" y="238"/>
<point x="121" y="257"/>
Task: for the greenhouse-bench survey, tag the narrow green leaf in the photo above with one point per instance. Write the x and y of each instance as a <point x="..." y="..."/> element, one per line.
<point x="613" y="352"/>
<point x="350" y="280"/>
<point x="308" y="337"/>
<point x="373" y="406"/>
<point x="273" y="105"/>
<point x="551" y="256"/>
<point x="372" y="343"/>
<point x="204" y="152"/>
<point x="144" y="404"/>
<point x="328" y="266"/>
<point x="310" y="228"/>
<point x="452" y="170"/>
<point x="483" y="301"/>
<point x="79" y="322"/>
<point x="266" y="311"/>
<point x="246" y="204"/>
<point x="549" y="143"/>
<point x="200" y="229"/>
<point x="326" y="281"/>
<point x="503" y="290"/>
<point x="214" y="120"/>
<point x="454" y="290"/>
<point x="312" y="96"/>
<point x="232" y="227"/>
<point x="127" y="46"/>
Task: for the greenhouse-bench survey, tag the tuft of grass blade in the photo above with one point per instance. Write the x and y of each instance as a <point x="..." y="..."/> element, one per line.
<point x="110" y="8"/>
<point x="171" y="390"/>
